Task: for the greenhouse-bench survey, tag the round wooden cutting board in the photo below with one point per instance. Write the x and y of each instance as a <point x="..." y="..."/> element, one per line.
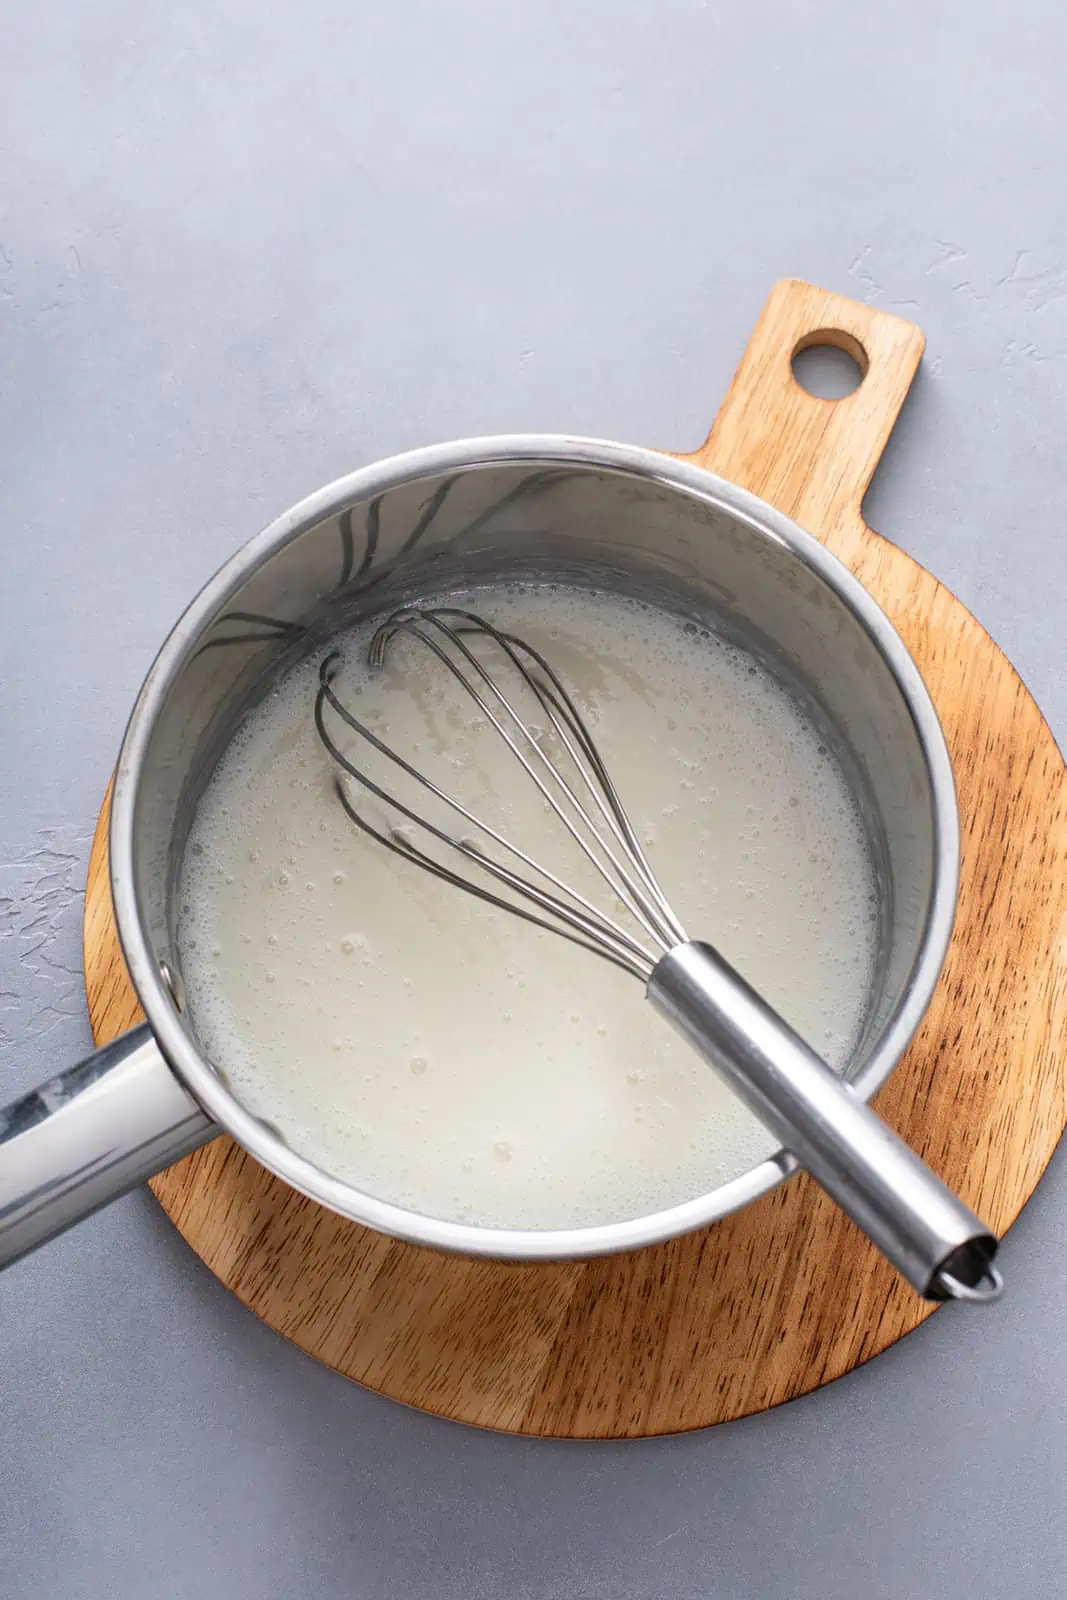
<point x="787" y="1294"/>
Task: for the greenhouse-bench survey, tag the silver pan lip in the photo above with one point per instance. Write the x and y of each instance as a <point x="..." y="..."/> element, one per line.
<point x="380" y="478"/>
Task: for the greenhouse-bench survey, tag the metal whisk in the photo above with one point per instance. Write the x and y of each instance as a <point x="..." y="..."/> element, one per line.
<point x="938" y="1244"/>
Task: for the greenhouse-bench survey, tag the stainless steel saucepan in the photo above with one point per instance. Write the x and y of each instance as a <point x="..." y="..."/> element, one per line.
<point x="609" y="515"/>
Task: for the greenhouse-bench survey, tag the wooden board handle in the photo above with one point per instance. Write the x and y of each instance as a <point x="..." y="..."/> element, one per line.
<point x="813" y="458"/>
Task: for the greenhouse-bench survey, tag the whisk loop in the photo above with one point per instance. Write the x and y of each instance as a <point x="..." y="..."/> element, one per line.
<point x="573" y="783"/>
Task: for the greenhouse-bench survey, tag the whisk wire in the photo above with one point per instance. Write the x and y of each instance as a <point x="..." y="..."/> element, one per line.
<point x="620" y="954"/>
<point x="583" y="798"/>
<point x="644" y="899"/>
<point x="589" y="919"/>
<point x="409" y="622"/>
<point x="603" y="791"/>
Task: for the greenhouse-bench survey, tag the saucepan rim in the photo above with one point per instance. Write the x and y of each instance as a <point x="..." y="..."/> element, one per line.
<point x="264" y="1144"/>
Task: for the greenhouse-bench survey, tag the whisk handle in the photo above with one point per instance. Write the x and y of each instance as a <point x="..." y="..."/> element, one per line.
<point x="930" y="1236"/>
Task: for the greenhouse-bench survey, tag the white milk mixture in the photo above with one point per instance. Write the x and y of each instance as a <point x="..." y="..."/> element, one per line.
<point x="446" y="1056"/>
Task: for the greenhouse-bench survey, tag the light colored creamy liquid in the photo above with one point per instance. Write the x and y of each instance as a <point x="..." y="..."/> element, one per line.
<point x="442" y="1054"/>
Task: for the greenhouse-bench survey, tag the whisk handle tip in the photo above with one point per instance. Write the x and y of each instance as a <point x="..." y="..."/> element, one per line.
<point x="925" y="1230"/>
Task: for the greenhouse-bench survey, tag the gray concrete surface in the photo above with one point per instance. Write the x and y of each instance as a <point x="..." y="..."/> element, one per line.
<point x="244" y="248"/>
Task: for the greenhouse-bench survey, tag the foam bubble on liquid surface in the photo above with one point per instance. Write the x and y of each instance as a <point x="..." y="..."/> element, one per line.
<point x="448" y="1057"/>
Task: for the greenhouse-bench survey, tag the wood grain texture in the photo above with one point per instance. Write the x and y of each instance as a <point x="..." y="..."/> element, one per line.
<point x="786" y="1295"/>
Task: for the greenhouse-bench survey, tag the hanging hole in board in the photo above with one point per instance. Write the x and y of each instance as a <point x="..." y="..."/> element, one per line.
<point x="829" y="363"/>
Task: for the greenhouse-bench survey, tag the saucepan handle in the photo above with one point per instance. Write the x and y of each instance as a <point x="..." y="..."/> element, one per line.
<point x="86" y="1137"/>
<point x="926" y="1231"/>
